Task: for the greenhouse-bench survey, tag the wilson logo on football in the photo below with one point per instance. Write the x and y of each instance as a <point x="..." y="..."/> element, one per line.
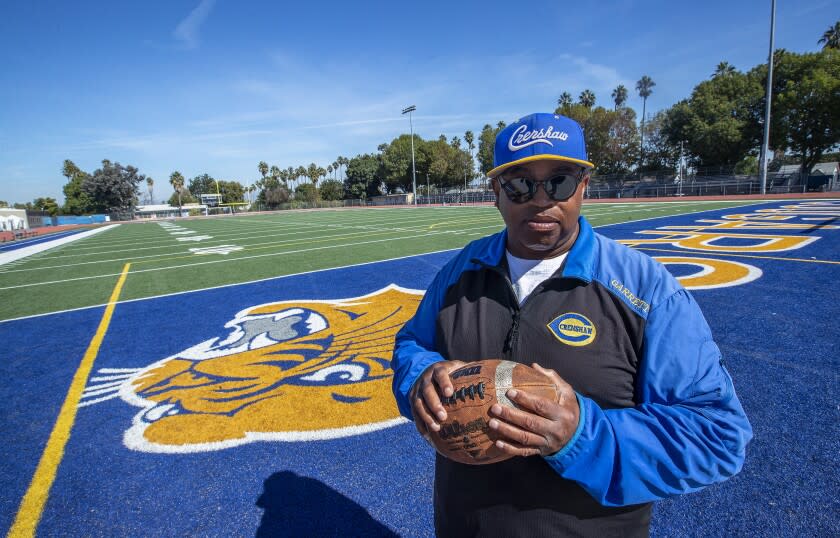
<point x="285" y="371"/>
<point x="573" y="329"/>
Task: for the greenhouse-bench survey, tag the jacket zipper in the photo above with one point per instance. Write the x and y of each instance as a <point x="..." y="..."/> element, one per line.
<point x="512" y="338"/>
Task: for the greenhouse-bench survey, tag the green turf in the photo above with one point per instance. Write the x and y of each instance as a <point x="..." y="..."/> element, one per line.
<point x="84" y="273"/>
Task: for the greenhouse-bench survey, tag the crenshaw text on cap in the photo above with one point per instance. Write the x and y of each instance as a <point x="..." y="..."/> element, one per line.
<point x="539" y="136"/>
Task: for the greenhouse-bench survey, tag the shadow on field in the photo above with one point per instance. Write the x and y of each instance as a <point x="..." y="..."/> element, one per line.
<point x="300" y="506"/>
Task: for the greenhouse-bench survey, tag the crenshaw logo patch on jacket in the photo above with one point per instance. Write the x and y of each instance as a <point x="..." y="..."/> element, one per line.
<point x="573" y="329"/>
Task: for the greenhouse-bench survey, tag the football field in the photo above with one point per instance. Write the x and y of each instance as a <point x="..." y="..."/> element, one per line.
<point x="169" y="256"/>
<point x="150" y="391"/>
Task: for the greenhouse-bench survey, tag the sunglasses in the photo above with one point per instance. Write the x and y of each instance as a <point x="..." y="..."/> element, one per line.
<point x="558" y="187"/>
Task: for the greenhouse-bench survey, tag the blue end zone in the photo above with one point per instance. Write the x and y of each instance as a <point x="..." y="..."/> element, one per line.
<point x="776" y="335"/>
<point x="36" y="240"/>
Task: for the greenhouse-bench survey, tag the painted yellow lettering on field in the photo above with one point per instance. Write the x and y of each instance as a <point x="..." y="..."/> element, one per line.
<point x="754" y="216"/>
<point x="723" y="242"/>
<point x="712" y="273"/>
<point x="803" y="211"/>
<point x="748" y="225"/>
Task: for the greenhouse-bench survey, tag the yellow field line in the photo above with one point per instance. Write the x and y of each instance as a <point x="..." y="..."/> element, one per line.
<point x="32" y="505"/>
<point x="713" y="253"/>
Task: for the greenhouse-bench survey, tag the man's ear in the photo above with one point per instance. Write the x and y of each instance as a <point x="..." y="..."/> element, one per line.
<point x="494" y="182"/>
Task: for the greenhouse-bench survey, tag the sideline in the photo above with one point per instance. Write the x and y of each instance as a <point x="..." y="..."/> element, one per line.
<point x="17" y="254"/>
<point x="32" y="505"/>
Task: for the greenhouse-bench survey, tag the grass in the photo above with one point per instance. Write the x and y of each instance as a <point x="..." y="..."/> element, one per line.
<point x="84" y="272"/>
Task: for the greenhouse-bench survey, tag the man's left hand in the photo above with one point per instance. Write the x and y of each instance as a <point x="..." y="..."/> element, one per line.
<point x="539" y="425"/>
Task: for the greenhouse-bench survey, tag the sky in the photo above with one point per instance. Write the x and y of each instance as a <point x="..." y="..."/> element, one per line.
<point x="215" y="86"/>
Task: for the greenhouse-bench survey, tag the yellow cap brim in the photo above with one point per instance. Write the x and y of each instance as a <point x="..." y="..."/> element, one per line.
<point x="501" y="168"/>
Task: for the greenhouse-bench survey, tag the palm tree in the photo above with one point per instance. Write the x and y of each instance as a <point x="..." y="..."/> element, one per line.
<point x="565" y="100"/>
<point x="335" y="167"/>
<point x="723" y="69"/>
<point x="263" y="168"/>
<point x="469" y="138"/>
<point x="150" y="183"/>
<point x="177" y="182"/>
<point x="831" y="37"/>
<point x="300" y="172"/>
<point x="619" y="95"/>
<point x="344" y="162"/>
<point x="587" y="98"/>
<point x="330" y="168"/>
<point x="645" y="87"/>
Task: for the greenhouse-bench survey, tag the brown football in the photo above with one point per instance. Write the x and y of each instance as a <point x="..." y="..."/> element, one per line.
<point x="465" y="436"/>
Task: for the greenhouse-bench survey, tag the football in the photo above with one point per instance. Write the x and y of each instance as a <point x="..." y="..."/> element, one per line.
<point x="465" y="436"/>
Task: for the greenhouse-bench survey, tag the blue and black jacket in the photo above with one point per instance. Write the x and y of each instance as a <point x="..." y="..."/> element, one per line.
<point x="658" y="412"/>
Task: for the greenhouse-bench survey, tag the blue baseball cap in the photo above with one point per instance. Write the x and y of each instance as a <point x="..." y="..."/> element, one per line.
<point x="539" y="136"/>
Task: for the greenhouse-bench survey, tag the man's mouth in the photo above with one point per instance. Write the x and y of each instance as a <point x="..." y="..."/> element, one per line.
<point x="542" y="224"/>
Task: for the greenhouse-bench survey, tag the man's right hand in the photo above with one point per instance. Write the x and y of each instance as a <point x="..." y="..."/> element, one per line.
<point x="425" y="395"/>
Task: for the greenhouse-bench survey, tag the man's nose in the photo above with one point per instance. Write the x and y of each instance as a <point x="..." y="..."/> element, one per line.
<point x="541" y="197"/>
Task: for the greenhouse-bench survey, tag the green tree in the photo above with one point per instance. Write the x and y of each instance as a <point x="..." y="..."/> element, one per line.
<point x="611" y="136"/>
<point x="719" y="122"/>
<point x="150" y="184"/>
<point x="314" y="173"/>
<point x="306" y="192"/>
<point x="263" y="168"/>
<point x="486" y="146"/>
<point x="660" y="152"/>
<point x="396" y="161"/>
<point x="806" y="110"/>
<point x="332" y="190"/>
<point x="46" y="204"/>
<point x="619" y="95"/>
<point x="232" y="192"/>
<point x="182" y="196"/>
<point x="587" y="98"/>
<point x="176" y="179"/>
<point x="4" y="204"/>
<point x="831" y="38"/>
<point x="113" y="187"/>
<point x="363" y="175"/>
<point x="564" y="102"/>
<point x="277" y="195"/>
<point x="76" y="202"/>
<point x="202" y="184"/>
<point x="723" y="69"/>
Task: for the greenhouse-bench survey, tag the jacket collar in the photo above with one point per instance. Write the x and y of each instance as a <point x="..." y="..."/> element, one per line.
<point x="579" y="263"/>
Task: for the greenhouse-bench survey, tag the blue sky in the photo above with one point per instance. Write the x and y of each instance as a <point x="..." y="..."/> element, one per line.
<point x="216" y="86"/>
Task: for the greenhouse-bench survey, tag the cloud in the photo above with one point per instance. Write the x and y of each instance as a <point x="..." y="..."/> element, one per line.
<point x="187" y="30"/>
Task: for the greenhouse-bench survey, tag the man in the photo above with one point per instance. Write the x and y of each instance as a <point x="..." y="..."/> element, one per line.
<point x="646" y="411"/>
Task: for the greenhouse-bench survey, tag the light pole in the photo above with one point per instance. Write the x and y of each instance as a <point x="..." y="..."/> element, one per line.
<point x="408" y="110"/>
<point x="768" y="95"/>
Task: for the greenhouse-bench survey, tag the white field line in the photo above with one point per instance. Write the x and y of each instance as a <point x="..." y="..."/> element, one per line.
<point x="363" y="217"/>
<point x="252" y="246"/>
<point x="267" y="279"/>
<point x="218" y="237"/>
<point x="272" y="222"/>
<point x="298" y="240"/>
<point x="221" y="286"/>
<point x="226" y="237"/>
<point x="226" y="260"/>
<point x="14" y="255"/>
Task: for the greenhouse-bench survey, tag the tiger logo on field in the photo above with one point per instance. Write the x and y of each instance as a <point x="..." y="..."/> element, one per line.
<point x="285" y="371"/>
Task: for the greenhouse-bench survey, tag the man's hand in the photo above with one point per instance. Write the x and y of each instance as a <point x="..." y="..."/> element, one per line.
<point x="539" y="426"/>
<point x="425" y="396"/>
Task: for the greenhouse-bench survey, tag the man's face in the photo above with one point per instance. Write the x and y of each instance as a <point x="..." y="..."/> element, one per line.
<point x="541" y="227"/>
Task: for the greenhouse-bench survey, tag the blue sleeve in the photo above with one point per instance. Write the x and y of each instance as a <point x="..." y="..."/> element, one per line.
<point x="687" y="430"/>
<point x="415" y="344"/>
